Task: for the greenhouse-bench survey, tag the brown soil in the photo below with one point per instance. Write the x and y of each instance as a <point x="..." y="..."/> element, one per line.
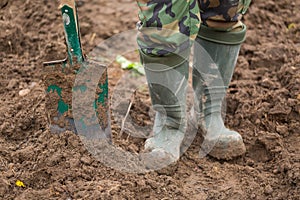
<point x="263" y="105"/>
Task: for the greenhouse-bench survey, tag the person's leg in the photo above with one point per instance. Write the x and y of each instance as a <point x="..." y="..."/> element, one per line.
<point x="165" y="33"/>
<point x="216" y="51"/>
<point x="167" y="26"/>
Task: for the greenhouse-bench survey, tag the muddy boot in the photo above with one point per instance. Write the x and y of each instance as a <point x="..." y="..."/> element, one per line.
<point x="167" y="81"/>
<point x="213" y="68"/>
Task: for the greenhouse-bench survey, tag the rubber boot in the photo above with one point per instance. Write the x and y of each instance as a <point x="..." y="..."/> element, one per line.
<point x="167" y="81"/>
<point x="212" y="72"/>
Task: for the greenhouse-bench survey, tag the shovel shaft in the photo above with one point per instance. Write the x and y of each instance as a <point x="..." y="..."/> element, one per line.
<point x="72" y="32"/>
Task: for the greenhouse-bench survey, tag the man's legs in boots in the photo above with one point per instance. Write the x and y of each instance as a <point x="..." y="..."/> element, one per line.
<point x="166" y="30"/>
<point x="158" y="46"/>
<point x="216" y="51"/>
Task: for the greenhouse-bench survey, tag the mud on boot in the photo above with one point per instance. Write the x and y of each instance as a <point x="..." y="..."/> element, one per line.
<point x="167" y="81"/>
<point x="214" y="63"/>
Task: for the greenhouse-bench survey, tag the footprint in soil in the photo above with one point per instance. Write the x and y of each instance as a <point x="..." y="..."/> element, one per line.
<point x="258" y="152"/>
<point x="266" y="147"/>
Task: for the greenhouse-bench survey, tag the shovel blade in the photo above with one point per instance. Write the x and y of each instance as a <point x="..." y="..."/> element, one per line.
<point x="77" y="99"/>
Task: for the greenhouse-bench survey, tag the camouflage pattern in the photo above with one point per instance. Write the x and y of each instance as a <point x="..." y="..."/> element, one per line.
<point x="223" y="14"/>
<point x="169" y="26"/>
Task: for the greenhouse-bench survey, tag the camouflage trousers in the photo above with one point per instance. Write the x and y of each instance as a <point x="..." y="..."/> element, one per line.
<point x="170" y="26"/>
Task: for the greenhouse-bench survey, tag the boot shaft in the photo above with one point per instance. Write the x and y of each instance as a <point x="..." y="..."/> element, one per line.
<point x="212" y="72"/>
<point x="167" y="79"/>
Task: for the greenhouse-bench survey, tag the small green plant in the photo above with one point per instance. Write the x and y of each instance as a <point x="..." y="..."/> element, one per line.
<point x="127" y="64"/>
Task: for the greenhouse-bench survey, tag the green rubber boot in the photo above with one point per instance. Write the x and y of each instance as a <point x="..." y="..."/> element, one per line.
<point x="214" y="64"/>
<point x="167" y="81"/>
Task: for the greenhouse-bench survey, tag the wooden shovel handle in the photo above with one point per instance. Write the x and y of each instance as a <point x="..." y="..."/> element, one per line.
<point x="70" y="3"/>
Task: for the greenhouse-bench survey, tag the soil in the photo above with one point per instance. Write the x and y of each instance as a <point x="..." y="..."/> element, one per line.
<point x="263" y="104"/>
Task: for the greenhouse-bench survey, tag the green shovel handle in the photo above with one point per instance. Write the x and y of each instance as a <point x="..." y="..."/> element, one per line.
<point x="70" y="19"/>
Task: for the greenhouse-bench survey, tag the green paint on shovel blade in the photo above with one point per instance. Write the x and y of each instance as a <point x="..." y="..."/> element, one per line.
<point x="62" y="107"/>
<point x="82" y="88"/>
<point x="54" y="88"/>
<point x="82" y="123"/>
<point x="102" y="97"/>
